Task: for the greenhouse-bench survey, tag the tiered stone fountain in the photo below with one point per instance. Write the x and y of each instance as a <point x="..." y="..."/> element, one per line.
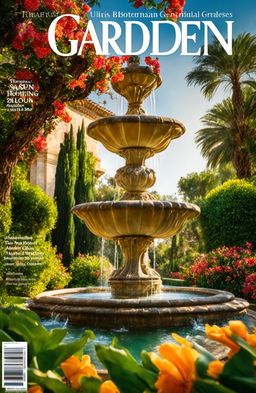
<point x="137" y="219"/>
<point x="133" y="223"/>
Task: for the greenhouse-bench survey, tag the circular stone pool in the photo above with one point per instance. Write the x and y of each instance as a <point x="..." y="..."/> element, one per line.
<point x="175" y="306"/>
<point x="135" y="340"/>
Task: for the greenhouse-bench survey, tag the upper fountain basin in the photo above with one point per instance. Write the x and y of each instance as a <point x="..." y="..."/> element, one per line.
<point x="118" y="133"/>
<point x="156" y="219"/>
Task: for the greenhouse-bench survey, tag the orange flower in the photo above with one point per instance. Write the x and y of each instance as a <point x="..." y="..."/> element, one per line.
<point x="108" y="387"/>
<point x="35" y="389"/>
<point x="224" y="335"/>
<point x="215" y="368"/>
<point x="74" y="369"/>
<point x="177" y="367"/>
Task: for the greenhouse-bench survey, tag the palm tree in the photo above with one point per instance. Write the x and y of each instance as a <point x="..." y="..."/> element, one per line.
<point x="235" y="71"/>
<point x="218" y="140"/>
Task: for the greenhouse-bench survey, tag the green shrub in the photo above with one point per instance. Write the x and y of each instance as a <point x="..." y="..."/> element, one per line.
<point x="85" y="270"/>
<point x="5" y="225"/>
<point x="228" y="215"/>
<point x="33" y="212"/>
<point x="41" y="274"/>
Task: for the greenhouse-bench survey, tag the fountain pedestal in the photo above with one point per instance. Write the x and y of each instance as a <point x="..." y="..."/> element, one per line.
<point x="135" y="276"/>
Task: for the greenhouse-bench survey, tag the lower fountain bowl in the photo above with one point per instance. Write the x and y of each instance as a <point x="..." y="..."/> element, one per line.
<point x="100" y="310"/>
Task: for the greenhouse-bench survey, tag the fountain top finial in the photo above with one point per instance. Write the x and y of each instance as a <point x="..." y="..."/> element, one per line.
<point x="139" y="81"/>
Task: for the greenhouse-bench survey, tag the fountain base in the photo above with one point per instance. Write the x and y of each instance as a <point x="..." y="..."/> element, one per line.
<point x="137" y="287"/>
<point x="212" y="305"/>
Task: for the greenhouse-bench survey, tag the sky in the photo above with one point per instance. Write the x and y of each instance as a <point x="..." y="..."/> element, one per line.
<point x="174" y="98"/>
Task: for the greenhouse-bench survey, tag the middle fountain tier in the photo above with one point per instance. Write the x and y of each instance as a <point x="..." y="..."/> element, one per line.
<point x="137" y="219"/>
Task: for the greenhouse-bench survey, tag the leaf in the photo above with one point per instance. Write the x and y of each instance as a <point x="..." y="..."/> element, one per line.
<point x="241" y="364"/>
<point x="55" y="337"/>
<point x="244" y="345"/>
<point x="4" y="320"/>
<point x="244" y="384"/>
<point x="90" y="385"/>
<point x="124" y="370"/>
<point x="30" y="329"/>
<point x="7" y="68"/>
<point x="203" y="361"/>
<point x="4" y="336"/>
<point x="203" y="352"/>
<point x="146" y="361"/>
<point x="50" y="359"/>
<point x="48" y="380"/>
<point x="239" y="372"/>
<point x="209" y="386"/>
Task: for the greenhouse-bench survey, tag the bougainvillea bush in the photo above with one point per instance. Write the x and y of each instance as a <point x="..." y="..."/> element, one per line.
<point x="27" y="57"/>
<point x="172" y="8"/>
<point x="227" y="268"/>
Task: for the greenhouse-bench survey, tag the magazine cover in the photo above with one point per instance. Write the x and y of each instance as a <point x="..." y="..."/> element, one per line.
<point x="128" y="196"/>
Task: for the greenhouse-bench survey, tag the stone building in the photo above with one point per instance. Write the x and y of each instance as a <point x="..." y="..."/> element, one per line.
<point x="43" y="168"/>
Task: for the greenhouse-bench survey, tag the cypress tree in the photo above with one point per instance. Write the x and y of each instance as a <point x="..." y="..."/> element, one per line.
<point x="85" y="241"/>
<point x="64" y="232"/>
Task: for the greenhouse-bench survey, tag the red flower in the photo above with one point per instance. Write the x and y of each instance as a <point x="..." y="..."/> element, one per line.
<point x="42" y="52"/>
<point x="31" y="5"/>
<point x="138" y="3"/>
<point x="59" y="105"/>
<point x="118" y="77"/>
<point x="24" y="74"/>
<point x="49" y="4"/>
<point x="153" y="63"/>
<point x="78" y="82"/>
<point x="17" y="44"/>
<point x="86" y="8"/>
<point x="99" y="63"/>
<point x="40" y="143"/>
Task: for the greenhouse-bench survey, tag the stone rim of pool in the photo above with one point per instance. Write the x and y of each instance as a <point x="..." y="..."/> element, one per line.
<point x="138" y="313"/>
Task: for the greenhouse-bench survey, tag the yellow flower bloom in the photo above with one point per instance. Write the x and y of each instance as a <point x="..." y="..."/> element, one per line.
<point x="177" y="367"/>
<point x="108" y="387"/>
<point x="215" y="368"/>
<point x="35" y="389"/>
<point x="74" y="369"/>
<point x="223" y="335"/>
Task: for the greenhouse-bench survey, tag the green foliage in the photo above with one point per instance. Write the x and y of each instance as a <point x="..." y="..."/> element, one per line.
<point x="46" y="350"/>
<point x="5" y="225"/>
<point x="124" y="370"/>
<point x="33" y="212"/>
<point x="63" y="235"/>
<point x="108" y="190"/>
<point x="42" y="271"/>
<point x="228" y="215"/>
<point x="218" y="138"/>
<point x="196" y="185"/>
<point x="85" y="270"/>
<point x="85" y="241"/>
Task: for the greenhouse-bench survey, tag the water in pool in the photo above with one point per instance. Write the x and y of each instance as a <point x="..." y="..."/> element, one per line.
<point x="159" y="296"/>
<point x="134" y="341"/>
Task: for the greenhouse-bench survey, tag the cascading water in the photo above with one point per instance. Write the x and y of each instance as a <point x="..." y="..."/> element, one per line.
<point x="102" y="260"/>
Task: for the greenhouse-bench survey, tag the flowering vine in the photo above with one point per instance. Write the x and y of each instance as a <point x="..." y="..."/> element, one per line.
<point x="172" y="8"/>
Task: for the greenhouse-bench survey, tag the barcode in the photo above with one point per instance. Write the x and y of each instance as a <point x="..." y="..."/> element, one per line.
<point x="14" y="366"/>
